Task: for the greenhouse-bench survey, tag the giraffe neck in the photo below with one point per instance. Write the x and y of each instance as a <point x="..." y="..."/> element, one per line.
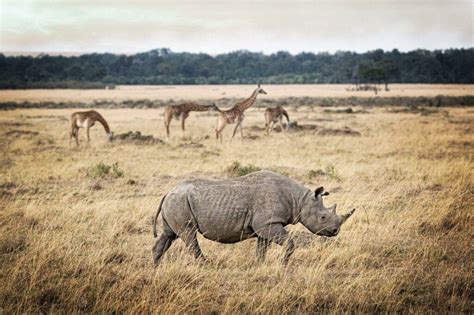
<point x="248" y="102"/>
<point x="104" y="123"/>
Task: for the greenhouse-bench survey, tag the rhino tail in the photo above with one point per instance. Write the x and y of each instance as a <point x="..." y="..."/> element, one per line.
<point x="155" y="234"/>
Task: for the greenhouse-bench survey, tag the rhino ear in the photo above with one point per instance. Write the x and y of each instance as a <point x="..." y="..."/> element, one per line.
<point x="318" y="191"/>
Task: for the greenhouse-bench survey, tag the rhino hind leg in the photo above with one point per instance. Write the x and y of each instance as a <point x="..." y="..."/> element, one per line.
<point x="190" y="239"/>
<point x="262" y="248"/>
<point x="278" y="235"/>
<point x="163" y="243"/>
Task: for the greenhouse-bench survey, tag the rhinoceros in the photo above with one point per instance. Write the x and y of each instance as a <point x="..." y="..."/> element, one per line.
<point x="258" y="205"/>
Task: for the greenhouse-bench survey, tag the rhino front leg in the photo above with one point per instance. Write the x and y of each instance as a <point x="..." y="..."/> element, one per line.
<point x="278" y="235"/>
<point x="262" y="248"/>
<point x="163" y="243"/>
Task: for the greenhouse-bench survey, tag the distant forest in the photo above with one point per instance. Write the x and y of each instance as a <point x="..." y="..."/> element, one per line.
<point x="162" y="66"/>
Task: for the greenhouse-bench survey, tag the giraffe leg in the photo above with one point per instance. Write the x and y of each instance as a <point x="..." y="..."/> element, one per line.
<point x="183" y="119"/>
<point x="219" y="133"/>
<point x="235" y="130"/>
<point x="220" y="126"/>
<point x="167" y="120"/>
<point x="271" y="127"/>
<point x="76" y="136"/>
<point x="241" y="131"/>
<point x="281" y="125"/>
<point x="88" y="136"/>
<point x="72" y="135"/>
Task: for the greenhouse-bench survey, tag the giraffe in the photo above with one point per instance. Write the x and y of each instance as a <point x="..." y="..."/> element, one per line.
<point x="86" y="120"/>
<point x="236" y="114"/>
<point x="273" y="115"/>
<point x="181" y="111"/>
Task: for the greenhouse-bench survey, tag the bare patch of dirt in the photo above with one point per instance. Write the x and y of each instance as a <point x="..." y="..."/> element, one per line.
<point x="346" y="131"/>
<point x="137" y="137"/>
<point x="191" y="145"/>
<point x="348" y="110"/>
<point x="20" y="133"/>
<point x="424" y="111"/>
<point x="14" y="124"/>
<point x="303" y="127"/>
<point x="49" y="117"/>
<point x="256" y="128"/>
<point x="322" y="119"/>
<point x="209" y="153"/>
<point x="48" y="148"/>
<point x="461" y="121"/>
<point x="252" y="137"/>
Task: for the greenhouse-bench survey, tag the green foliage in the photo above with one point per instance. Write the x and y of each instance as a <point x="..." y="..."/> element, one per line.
<point x="102" y="170"/>
<point x="162" y="66"/>
<point x="236" y="169"/>
<point x="332" y="173"/>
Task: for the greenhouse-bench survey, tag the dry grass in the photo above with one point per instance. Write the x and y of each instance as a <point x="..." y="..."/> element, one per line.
<point x="73" y="243"/>
<point x="215" y="92"/>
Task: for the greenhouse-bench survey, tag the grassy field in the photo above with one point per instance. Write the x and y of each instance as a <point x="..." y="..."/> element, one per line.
<point x="215" y="92"/>
<point x="75" y="224"/>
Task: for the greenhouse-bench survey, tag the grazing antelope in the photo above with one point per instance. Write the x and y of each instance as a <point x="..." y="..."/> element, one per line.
<point x="273" y="115"/>
<point x="236" y="114"/>
<point x="182" y="111"/>
<point x="86" y="120"/>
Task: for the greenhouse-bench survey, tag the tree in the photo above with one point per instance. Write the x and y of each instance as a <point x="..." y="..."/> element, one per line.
<point x="387" y="70"/>
<point x="162" y="66"/>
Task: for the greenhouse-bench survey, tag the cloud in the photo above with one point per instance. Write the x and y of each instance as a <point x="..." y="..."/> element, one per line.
<point x="214" y="27"/>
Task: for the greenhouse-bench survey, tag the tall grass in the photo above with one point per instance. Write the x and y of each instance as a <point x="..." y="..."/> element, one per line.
<point x="66" y="247"/>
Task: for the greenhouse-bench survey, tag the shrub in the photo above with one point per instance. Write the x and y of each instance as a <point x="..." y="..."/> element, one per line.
<point x="102" y="170"/>
<point x="236" y="169"/>
<point x="331" y="172"/>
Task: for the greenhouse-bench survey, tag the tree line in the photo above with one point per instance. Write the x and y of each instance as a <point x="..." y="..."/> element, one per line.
<point x="162" y="66"/>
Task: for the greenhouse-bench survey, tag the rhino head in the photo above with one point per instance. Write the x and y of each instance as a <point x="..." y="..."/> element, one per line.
<point x="319" y="219"/>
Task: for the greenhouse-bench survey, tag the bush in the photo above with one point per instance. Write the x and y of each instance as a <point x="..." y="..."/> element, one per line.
<point x="236" y="169"/>
<point x="332" y="173"/>
<point x="102" y="170"/>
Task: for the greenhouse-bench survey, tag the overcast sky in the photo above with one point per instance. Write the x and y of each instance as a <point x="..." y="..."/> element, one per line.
<point x="222" y="26"/>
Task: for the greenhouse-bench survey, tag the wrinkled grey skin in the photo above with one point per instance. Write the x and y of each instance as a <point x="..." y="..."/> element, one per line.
<point x="258" y="205"/>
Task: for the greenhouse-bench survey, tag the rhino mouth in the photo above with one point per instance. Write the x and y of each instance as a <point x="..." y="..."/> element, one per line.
<point x="328" y="232"/>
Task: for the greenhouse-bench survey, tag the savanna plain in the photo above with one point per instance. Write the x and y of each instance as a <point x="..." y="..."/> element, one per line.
<point x="75" y="222"/>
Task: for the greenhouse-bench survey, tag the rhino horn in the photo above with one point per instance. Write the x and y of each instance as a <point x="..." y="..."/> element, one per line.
<point x="346" y="216"/>
<point x="333" y="208"/>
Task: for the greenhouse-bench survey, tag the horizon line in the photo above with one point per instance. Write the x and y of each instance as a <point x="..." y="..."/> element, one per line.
<point x="79" y="53"/>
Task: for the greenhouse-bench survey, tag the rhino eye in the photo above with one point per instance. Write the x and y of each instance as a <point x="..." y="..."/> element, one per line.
<point x="323" y="217"/>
